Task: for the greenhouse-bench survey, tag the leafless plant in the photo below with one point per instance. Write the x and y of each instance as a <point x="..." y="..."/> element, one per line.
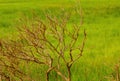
<point x="9" y="64"/>
<point x="52" y="43"/>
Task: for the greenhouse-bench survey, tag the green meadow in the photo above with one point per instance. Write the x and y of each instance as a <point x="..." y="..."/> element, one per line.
<point x="101" y="22"/>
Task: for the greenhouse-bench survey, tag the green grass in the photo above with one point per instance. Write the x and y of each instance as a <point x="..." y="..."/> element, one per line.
<point x="101" y="21"/>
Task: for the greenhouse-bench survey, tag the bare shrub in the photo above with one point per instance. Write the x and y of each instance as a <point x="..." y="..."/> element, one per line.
<point x="53" y="43"/>
<point x="9" y="64"/>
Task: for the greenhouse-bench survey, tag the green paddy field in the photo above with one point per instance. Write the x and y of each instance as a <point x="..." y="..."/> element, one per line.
<point x="102" y="24"/>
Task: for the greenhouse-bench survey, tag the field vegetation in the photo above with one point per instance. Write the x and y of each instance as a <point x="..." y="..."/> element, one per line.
<point x="100" y="59"/>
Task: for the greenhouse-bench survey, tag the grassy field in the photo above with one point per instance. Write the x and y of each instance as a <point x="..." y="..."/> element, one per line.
<point x="101" y="21"/>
